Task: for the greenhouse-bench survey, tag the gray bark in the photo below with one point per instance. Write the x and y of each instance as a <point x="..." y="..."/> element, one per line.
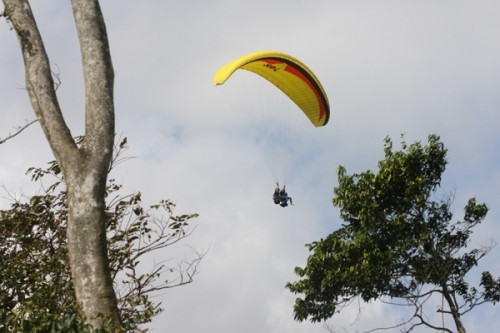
<point x="84" y="168"/>
<point x="453" y="309"/>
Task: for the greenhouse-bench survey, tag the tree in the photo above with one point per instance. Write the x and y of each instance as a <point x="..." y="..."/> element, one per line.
<point x="37" y="293"/>
<point x="85" y="167"/>
<point x="398" y="242"/>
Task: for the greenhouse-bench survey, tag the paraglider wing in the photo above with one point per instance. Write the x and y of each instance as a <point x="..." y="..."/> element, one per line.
<point x="288" y="74"/>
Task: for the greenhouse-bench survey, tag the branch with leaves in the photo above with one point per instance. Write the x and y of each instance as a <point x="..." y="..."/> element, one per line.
<point x="37" y="293"/>
<point x="397" y="242"/>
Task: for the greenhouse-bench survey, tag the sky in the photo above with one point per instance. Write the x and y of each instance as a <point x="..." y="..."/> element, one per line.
<point x="389" y="68"/>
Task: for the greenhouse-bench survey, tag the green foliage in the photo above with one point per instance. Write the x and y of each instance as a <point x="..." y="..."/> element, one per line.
<point x="396" y="239"/>
<point x="36" y="293"/>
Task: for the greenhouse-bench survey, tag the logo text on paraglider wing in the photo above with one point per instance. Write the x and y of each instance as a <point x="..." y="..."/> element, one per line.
<point x="275" y="67"/>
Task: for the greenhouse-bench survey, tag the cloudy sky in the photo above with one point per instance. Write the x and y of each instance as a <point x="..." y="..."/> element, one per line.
<point x="388" y="67"/>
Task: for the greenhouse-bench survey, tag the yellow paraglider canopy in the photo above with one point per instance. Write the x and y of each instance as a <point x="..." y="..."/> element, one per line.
<point x="288" y="74"/>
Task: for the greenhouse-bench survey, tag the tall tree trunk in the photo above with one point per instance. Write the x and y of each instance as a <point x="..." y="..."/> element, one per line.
<point x="85" y="169"/>
<point x="453" y="310"/>
<point x="87" y="246"/>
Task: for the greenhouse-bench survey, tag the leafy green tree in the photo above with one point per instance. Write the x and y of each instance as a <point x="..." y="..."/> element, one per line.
<point x="398" y="242"/>
<point x="37" y="292"/>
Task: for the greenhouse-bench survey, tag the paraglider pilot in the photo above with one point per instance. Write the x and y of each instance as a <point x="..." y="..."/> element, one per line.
<point x="280" y="197"/>
<point x="276" y="195"/>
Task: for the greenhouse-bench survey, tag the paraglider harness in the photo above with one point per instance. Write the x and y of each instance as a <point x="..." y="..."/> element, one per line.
<point x="280" y="197"/>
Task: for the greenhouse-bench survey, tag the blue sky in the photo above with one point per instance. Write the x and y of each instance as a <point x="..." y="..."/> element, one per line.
<point x="388" y="67"/>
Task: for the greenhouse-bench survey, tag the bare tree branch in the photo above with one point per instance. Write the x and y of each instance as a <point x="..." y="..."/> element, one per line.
<point x="18" y="130"/>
